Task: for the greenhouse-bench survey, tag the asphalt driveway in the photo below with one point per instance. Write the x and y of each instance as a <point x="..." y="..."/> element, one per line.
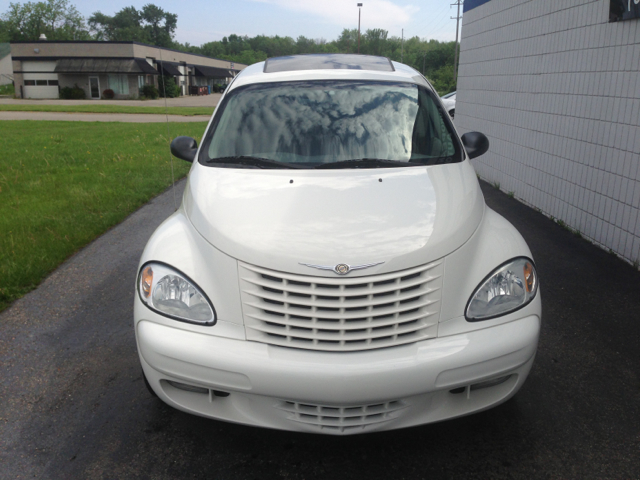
<point x="73" y="403"/>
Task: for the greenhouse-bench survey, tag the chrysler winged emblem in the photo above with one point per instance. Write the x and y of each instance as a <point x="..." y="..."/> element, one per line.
<point x="341" y="268"/>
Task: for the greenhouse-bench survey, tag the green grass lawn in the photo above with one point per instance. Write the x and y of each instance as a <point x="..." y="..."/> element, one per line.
<point x="62" y="184"/>
<point x="186" y="111"/>
<point x="7" y="89"/>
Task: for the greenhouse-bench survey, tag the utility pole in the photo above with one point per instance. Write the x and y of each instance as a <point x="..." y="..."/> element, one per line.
<point x="455" y="58"/>
<point x="359" y="10"/>
<point x="402" y="48"/>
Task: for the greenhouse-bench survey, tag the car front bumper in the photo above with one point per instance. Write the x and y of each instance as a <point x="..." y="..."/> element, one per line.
<point x="338" y="393"/>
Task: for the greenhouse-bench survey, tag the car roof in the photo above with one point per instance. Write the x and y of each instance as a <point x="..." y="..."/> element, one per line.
<point x="331" y="66"/>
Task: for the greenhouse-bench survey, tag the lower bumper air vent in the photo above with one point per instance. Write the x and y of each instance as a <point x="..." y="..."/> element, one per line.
<point x="341" y="419"/>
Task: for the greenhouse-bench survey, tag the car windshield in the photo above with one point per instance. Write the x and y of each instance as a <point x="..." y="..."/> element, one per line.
<point x="311" y="124"/>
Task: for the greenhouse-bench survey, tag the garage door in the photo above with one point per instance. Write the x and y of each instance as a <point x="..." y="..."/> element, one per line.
<point x="40" y="88"/>
<point x="39" y="80"/>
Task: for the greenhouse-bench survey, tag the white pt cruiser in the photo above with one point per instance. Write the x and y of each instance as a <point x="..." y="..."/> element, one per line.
<point x="333" y="267"/>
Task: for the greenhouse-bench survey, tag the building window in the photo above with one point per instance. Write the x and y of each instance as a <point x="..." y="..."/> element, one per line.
<point x="41" y="82"/>
<point x="119" y="84"/>
<point x="53" y="83"/>
<point x="29" y="83"/>
<point x="140" y="81"/>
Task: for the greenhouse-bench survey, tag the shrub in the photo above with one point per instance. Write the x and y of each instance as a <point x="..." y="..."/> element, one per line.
<point x="72" y="93"/>
<point x="168" y="85"/>
<point x="108" y="94"/>
<point x="150" y="91"/>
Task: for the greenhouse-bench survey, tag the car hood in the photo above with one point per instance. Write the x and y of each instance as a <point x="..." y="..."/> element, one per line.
<point x="278" y="219"/>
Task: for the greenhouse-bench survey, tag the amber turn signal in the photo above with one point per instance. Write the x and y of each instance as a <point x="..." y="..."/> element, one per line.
<point x="147" y="281"/>
<point x="528" y="276"/>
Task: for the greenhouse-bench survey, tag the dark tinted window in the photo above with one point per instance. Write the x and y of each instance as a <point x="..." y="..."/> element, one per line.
<point x="623" y="10"/>
<point x="29" y="83"/>
<point x="317" y="122"/>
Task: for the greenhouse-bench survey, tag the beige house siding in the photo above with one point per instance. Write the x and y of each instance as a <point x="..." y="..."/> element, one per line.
<point x="104" y="49"/>
<point x="71" y="80"/>
<point x="35" y="54"/>
<point x="6" y="70"/>
<point x="133" y="86"/>
<point x="82" y="81"/>
<point x="145" y="51"/>
<point x="85" y="49"/>
<point x="18" y="80"/>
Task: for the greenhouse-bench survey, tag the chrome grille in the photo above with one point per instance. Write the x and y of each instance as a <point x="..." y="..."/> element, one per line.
<point x="341" y="419"/>
<point x="341" y="314"/>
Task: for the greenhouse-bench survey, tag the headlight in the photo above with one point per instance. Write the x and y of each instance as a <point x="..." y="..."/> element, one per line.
<point x="174" y="295"/>
<point x="508" y="288"/>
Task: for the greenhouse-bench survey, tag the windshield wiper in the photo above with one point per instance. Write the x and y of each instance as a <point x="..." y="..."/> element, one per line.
<point x="366" y="163"/>
<point x="432" y="161"/>
<point x="257" y="162"/>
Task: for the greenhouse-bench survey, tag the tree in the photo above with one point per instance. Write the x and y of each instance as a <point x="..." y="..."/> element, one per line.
<point x="4" y="32"/>
<point x="442" y="80"/>
<point x="57" y="19"/>
<point x="125" y="25"/>
<point x="150" y="25"/>
<point x="167" y="87"/>
<point x="159" y="33"/>
<point x="347" y="42"/>
<point x="375" y="39"/>
<point x="432" y="58"/>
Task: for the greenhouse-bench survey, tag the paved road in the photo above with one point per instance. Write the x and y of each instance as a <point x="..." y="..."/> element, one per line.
<point x="74" y="404"/>
<point x="102" y="117"/>
<point x="186" y="101"/>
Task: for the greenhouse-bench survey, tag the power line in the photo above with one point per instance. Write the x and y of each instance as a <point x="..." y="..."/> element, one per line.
<point x="432" y="19"/>
<point x="445" y="24"/>
<point x="442" y="27"/>
<point x="431" y="22"/>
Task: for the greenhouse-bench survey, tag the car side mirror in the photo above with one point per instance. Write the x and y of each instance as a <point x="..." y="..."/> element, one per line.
<point x="184" y="148"/>
<point x="475" y="143"/>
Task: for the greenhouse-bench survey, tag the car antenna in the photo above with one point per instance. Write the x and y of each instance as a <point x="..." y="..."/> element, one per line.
<point x="166" y="115"/>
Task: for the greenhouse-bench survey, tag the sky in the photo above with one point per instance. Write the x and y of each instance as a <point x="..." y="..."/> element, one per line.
<point x="202" y="21"/>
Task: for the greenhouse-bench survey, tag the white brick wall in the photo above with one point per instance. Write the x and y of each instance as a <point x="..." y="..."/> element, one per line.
<point x="556" y="88"/>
